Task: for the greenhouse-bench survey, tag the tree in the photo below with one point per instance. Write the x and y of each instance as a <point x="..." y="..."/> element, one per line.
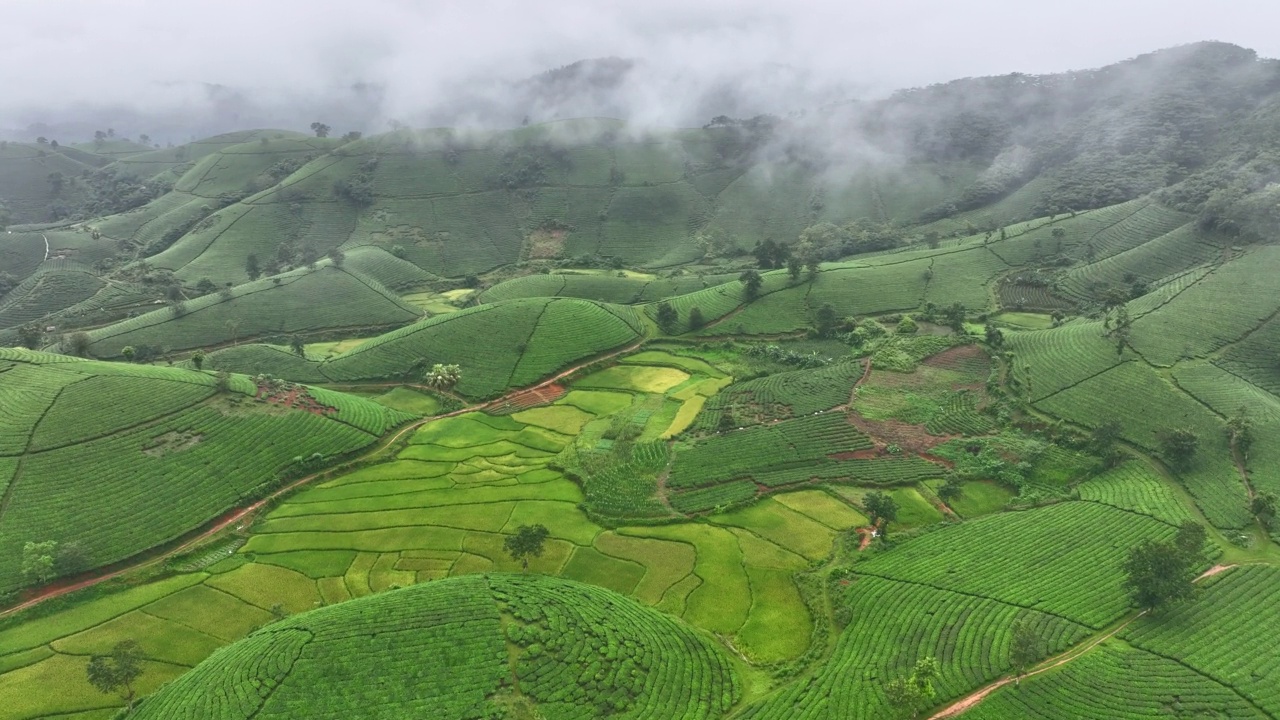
<point x="1240" y="431"/>
<point x="527" y="542"/>
<point x="771" y="254"/>
<point x="337" y="256"/>
<point x="951" y="489"/>
<point x="953" y="316"/>
<point x="42" y="140"/>
<point x="751" y="282"/>
<point x="1263" y="507"/>
<point x="233" y="329"/>
<point x="1179" y="445"/>
<point x="206" y="286"/>
<point x="79" y="343"/>
<point x="352" y="136"/>
<point x="145" y="139"/>
<point x="667" y="317"/>
<point x="882" y="508"/>
<point x="320" y="129"/>
<point x="994" y="336"/>
<point x="222" y="382"/>
<point x="696" y="320"/>
<point x="56" y="181"/>
<point x="1025" y="648"/>
<point x="908" y="695"/>
<point x="197" y="359"/>
<point x="1159" y="573"/>
<point x="296" y="345"/>
<point x="442" y="377"/>
<point x="116" y="672"/>
<point x="31" y="336"/>
<point x="826" y="320"/>
<point x="1104" y="439"/>
<point x="251" y="267"/>
<point x="38" y="560"/>
<point x="794" y="266"/>
<point x="128" y="352"/>
<point x="71" y="558"/>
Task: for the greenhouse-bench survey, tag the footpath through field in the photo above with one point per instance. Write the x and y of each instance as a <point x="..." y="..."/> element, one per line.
<point x="963" y="704"/>
<point x="58" y="590"/>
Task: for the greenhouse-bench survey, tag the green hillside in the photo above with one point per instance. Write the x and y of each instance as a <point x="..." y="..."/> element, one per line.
<point x="28" y="187"/>
<point x="501" y="345"/>
<point x="477" y="646"/>
<point x="298" y="302"/>
<point x="158" y="451"/>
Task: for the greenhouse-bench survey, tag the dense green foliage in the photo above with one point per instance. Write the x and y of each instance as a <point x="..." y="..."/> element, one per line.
<point x="441" y="649"/>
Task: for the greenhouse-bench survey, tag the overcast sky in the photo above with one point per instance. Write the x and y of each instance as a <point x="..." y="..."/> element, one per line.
<point x="153" y="54"/>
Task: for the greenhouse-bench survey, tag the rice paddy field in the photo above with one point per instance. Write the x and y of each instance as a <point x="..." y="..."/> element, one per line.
<point x="292" y="518"/>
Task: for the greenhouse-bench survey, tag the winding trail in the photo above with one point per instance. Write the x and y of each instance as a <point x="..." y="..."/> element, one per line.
<point x="238" y="515"/>
<point x="968" y="701"/>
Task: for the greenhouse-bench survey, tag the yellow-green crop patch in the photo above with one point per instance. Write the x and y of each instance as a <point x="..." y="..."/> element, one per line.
<point x="212" y="612"/>
<point x="824" y="508"/>
<point x="394" y="470"/>
<point x="591" y="566"/>
<point x="980" y="497"/>
<point x="459" y="431"/>
<point x="597" y="402"/>
<point x="779" y="626"/>
<point x="721" y="602"/>
<point x="166" y="640"/>
<point x="783" y="526"/>
<point x="660" y="358"/>
<point x="639" y="378"/>
<point x="564" y="419"/>
<point x="913" y="509"/>
<point x="267" y="586"/>
<point x="666" y="563"/>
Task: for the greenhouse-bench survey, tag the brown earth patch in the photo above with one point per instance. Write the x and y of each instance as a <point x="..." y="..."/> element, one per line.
<point x="541" y="395"/>
<point x="869" y="454"/>
<point x="911" y="438"/>
<point x="545" y="244"/>
<point x="961" y="358"/>
<point x="293" y="397"/>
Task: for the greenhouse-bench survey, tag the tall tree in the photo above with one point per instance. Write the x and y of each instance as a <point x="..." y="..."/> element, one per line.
<point x="296" y="345"/>
<point x="826" y="321"/>
<point x="251" y="267"/>
<point x="909" y="695"/>
<point x="37" y="561"/>
<point x="696" y="320"/>
<point x="320" y="129"/>
<point x="1025" y="648"/>
<point x="883" y="510"/>
<point x="442" y="376"/>
<point x="751" y="282"/>
<point x="1179" y="446"/>
<point x="1159" y="573"/>
<point x="117" y="671"/>
<point x="30" y="335"/>
<point x="528" y="542"/>
<point x="667" y="317"/>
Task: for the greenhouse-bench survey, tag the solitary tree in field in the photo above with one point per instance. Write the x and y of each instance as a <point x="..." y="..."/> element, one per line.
<point x="794" y="266"/>
<point x="251" y="267"/>
<point x="667" y="317"/>
<point x="1103" y="442"/>
<point x="296" y="344"/>
<point x="320" y="129"/>
<point x="128" y="352"/>
<point x="79" y="344"/>
<point x="826" y="320"/>
<point x="206" y="286"/>
<point x="696" y="320"/>
<point x="222" y="382"/>
<point x="337" y="256"/>
<point x="994" y="336"/>
<point x="56" y="181"/>
<point x="751" y="282"/>
<point x="1179" y="445"/>
<point x="907" y="696"/>
<point x="1025" y="648"/>
<point x="37" y="561"/>
<point x="951" y="489"/>
<point x="442" y="377"/>
<point x="197" y="359"/>
<point x="883" y="510"/>
<point x="116" y="672"/>
<point x="528" y="542"/>
<point x="1159" y="573"/>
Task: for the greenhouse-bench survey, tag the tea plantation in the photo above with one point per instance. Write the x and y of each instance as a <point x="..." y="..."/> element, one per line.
<point x="581" y="420"/>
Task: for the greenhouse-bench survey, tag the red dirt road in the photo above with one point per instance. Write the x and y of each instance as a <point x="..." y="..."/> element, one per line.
<point x="57" y="590"/>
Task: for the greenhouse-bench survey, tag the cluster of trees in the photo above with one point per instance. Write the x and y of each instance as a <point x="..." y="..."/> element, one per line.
<point x="1159" y="573"/>
<point x="669" y="318"/>
<point x="49" y="559"/>
<point x="442" y="376"/>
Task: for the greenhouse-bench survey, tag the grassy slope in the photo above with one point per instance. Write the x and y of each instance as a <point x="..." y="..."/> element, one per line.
<point x="118" y="458"/>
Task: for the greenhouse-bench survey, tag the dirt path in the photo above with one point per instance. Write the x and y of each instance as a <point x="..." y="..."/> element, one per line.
<point x="46" y="247"/>
<point x="241" y="514"/>
<point x="963" y="704"/>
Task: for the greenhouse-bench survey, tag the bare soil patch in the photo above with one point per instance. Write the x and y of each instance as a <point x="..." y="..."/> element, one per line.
<point x="171" y="442"/>
<point x="545" y="244"/>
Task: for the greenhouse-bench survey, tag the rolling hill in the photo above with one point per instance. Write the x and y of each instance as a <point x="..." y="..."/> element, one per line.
<point x="108" y="460"/>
